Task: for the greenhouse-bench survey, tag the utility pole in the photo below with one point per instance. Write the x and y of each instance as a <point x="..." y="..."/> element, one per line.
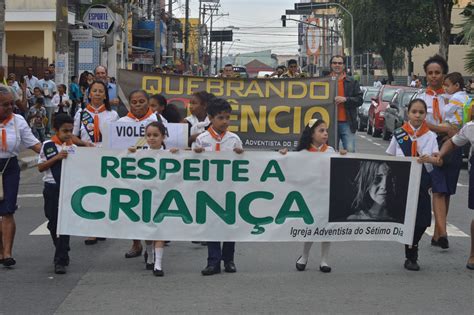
<point x="125" y="39"/>
<point x="2" y="31"/>
<point x="170" y="31"/>
<point x="157" y="13"/>
<point x="220" y="61"/>
<point x="62" y="42"/>
<point x="210" y="42"/>
<point x="186" y="37"/>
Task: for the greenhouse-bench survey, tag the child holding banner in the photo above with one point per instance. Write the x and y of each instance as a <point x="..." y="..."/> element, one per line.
<point x="217" y="138"/>
<point x="314" y="139"/>
<point x="414" y="139"/>
<point x="155" y="134"/>
<point x="465" y="135"/>
<point x="50" y="159"/>
<point x="198" y="121"/>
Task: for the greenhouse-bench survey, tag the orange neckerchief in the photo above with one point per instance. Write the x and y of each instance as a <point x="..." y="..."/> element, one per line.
<point x="436" y="112"/>
<point x="421" y="131"/>
<point x="58" y="141"/>
<point x="96" y="112"/>
<point x="322" y="148"/>
<point x="217" y="137"/>
<point x="3" y="126"/>
<point x="148" y="114"/>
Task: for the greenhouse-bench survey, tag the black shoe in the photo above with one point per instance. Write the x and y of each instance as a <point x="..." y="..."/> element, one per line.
<point x="204" y="243"/>
<point x="470" y="266"/>
<point x="411" y="265"/>
<point x="230" y="267"/>
<point x="443" y="242"/>
<point x="90" y="242"/>
<point x="195" y="242"/>
<point x="300" y="267"/>
<point x="8" y="262"/>
<point x="132" y="253"/>
<point x="210" y="270"/>
<point x="434" y="243"/>
<point x="59" y="269"/>
<point x="149" y="266"/>
<point x="325" y="269"/>
<point x="158" y="273"/>
<point x="101" y="239"/>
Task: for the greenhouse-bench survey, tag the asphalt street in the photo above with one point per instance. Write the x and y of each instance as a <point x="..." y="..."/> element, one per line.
<point x="367" y="277"/>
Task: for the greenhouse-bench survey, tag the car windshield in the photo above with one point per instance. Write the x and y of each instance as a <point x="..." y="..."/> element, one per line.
<point x="369" y="94"/>
<point x="388" y="94"/>
<point x="407" y="97"/>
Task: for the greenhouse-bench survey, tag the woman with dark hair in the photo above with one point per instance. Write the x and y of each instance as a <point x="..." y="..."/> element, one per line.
<point x="15" y="132"/>
<point x="445" y="178"/>
<point x="172" y="114"/>
<point x="92" y="122"/>
<point x="375" y="188"/>
<point x="158" y="104"/>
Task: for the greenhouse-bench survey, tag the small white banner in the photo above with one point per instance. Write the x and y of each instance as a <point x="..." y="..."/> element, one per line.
<point x="255" y="196"/>
<point x="123" y="135"/>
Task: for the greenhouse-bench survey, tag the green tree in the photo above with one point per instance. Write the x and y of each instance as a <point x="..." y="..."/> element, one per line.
<point x="468" y="36"/>
<point x="387" y="27"/>
<point x="443" y="19"/>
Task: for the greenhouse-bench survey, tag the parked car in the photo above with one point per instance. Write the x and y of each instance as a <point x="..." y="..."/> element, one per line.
<point x="363" y="110"/>
<point x="377" y="109"/>
<point x="396" y="112"/>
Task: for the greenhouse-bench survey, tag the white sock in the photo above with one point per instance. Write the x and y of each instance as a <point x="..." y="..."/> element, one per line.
<point x="325" y="253"/>
<point x="306" y="248"/>
<point x="149" y="250"/>
<point x="158" y="258"/>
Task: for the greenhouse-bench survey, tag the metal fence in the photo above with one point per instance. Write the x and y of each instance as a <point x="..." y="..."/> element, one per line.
<point x="18" y="64"/>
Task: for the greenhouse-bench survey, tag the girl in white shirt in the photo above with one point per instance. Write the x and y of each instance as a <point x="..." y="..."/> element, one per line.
<point x="155" y="134"/>
<point x="314" y="139"/>
<point x="414" y="139"/>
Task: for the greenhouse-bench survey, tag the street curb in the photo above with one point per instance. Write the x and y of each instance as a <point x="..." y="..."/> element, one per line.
<point x="27" y="162"/>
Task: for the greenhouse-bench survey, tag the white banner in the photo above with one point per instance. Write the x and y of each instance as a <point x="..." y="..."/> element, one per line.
<point x="255" y="196"/>
<point x="123" y="135"/>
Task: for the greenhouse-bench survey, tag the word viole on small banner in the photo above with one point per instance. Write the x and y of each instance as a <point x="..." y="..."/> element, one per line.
<point x="254" y="196"/>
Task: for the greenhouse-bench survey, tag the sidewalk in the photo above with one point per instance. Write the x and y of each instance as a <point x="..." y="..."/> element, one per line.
<point x="27" y="159"/>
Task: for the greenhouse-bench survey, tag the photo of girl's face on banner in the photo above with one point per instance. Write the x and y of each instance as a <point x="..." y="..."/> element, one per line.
<point x="368" y="190"/>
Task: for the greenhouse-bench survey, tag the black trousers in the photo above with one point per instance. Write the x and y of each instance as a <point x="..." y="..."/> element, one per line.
<point x="418" y="233"/>
<point x="216" y="253"/>
<point x="61" y="242"/>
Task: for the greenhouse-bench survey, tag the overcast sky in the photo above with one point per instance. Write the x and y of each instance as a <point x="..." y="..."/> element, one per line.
<point x="259" y="23"/>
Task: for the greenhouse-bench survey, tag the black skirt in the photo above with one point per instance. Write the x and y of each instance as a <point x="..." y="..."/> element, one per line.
<point x="11" y="183"/>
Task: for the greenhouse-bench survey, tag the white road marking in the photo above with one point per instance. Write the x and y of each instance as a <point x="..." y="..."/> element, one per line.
<point x="462" y="185"/>
<point x="31" y="196"/>
<point x="451" y="229"/>
<point x="41" y="230"/>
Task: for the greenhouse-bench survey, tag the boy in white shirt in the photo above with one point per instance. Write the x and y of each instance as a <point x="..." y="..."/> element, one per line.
<point x="50" y="160"/>
<point x="217" y="138"/>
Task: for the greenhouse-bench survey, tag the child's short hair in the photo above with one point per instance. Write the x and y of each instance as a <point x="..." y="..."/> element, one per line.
<point x="218" y="105"/>
<point x="36" y="88"/>
<point x="307" y="135"/>
<point x="439" y="60"/>
<point x="204" y="97"/>
<point x="61" y="119"/>
<point x="63" y="86"/>
<point x="39" y="101"/>
<point x="455" y="78"/>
